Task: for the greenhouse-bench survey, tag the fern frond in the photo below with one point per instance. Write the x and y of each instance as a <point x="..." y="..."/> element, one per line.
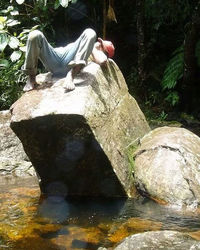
<point x="174" y="69"/>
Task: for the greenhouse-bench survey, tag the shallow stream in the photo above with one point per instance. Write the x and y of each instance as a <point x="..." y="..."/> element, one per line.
<point x="30" y="222"/>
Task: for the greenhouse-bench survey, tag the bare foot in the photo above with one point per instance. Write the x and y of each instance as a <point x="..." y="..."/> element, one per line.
<point x="29" y="84"/>
<point x="68" y="83"/>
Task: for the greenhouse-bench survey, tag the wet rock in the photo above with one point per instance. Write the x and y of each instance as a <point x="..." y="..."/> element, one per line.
<point x="167" y="165"/>
<point x="13" y="160"/>
<point x="121" y="230"/>
<point x="78" y="138"/>
<point x="171" y="240"/>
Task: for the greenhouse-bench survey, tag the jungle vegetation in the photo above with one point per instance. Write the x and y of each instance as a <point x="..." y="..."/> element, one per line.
<point x="157" y="45"/>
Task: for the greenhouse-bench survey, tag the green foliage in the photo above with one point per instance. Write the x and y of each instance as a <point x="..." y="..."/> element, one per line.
<point x="9" y="37"/>
<point x="172" y="98"/>
<point x="162" y="116"/>
<point x="172" y="73"/>
<point x="129" y="151"/>
<point x="10" y="84"/>
<point x="167" y="12"/>
<point x="57" y="3"/>
<point x="15" y="21"/>
<point x="65" y="3"/>
<point x="174" y="69"/>
<point x="12" y="48"/>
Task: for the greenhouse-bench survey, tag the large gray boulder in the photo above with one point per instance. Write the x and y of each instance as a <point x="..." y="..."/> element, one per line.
<point x="13" y="160"/>
<point x="76" y="140"/>
<point x="167" y="166"/>
<point x="170" y="240"/>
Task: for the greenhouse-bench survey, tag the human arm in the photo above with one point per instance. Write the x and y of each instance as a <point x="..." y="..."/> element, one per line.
<point x="98" y="55"/>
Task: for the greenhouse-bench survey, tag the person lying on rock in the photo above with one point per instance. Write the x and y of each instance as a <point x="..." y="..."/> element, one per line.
<point x="64" y="61"/>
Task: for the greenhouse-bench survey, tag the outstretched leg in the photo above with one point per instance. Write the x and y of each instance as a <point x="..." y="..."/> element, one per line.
<point x="38" y="48"/>
<point x="80" y="51"/>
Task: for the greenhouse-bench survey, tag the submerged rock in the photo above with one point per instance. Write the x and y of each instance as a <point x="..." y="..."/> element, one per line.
<point x="167" y="166"/>
<point x="121" y="229"/>
<point x="170" y="240"/>
<point x="13" y="160"/>
<point x="76" y="140"/>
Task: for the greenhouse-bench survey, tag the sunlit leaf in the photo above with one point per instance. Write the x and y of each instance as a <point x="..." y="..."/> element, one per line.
<point x="4" y="11"/>
<point x="34" y="27"/>
<point x="15" y="55"/>
<point x="23" y="48"/>
<point x="14" y="12"/>
<point x="10" y="8"/>
<point x="24" y="37"/>
<point x="14" y="42"/>
<point x="4" y="39"/>
<point x="24" y="33"/>
<point x="3" y="19"/>
<point x="64" y="3"/>
<point x="12" y="22"/>
<point x="20" y="1"/>
<point x="36" y="19"/>
<point x="4" y="63"/>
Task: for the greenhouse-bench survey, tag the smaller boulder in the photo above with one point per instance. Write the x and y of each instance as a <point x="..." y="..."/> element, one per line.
<point x="13" y="160"/>
<point x="158" y="240"/>
<point x="167" y="166"/>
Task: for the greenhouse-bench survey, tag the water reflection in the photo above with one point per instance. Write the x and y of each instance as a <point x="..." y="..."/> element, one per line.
<point x="55" y="208"/>
<point x="28" y="221"/>
<point x="170" y="216"/>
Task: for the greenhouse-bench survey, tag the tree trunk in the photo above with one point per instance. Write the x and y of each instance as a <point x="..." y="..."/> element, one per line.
<point x="141" y="41"/>
<point x="190" y="62"/>
<point x="104" y="18"/>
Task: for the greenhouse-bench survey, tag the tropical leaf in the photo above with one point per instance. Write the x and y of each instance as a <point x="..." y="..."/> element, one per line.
<point x="12" y="22"/>
<point x="172" y="97"/>
<point x="2" y="22"/>
<point x="14" y="42"/>
<point x="111" y="13"/>
<point x="4" y="63"/>
<point x="3" y="19"/>
<point x="15" y="55"/>
<point x="14" y="12"/>
<point x="23" y="48"/>
<point x="64" y="3"/>
<point x="4" y="39"/>
<point x="174" y="69"/>
<point x="34" y="27"/>
<point x="20" y="1"/>
<point x="10" y="8"/>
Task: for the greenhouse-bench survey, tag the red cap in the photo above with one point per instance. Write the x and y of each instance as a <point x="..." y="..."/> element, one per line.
<point x="108" y="47"/>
